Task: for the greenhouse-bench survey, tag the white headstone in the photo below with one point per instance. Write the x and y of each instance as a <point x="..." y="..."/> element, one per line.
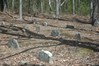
<point x="25" y="32"/>
<point x="23" y="63"/>
<point x="13" y="43"/>
<point x="45" y="56"/>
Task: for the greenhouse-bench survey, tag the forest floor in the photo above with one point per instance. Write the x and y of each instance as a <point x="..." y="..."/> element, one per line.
<point x="63" y="53"/>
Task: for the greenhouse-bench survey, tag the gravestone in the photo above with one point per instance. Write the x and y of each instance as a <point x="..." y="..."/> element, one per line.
<point x="3" y="23"/>
<point x="77" y="36"/>
<point x="38" y="23"/>
<point x="23" y="63"/>
<point x="70" y="26"/>
<point x="13" y="43"/>
<point x="34" y="21"/>
<point x="55" y="33"/>
<point x="25" y="28"/>
<point x="37" y="28"/>
<point x="96" y="23"/>
<point x="11" y="24"/>
<point x="25" y="32"/>
<point x="45" y="24"/>
<point x="45" y="56"/>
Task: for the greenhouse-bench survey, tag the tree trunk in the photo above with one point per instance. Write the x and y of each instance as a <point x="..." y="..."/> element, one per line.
<point x="78" y="6"/>
<point x="95" y="13"/>
<point x="13" y="1"/>
<point x="42" y="5"/>
<point x="57" y="8"/>
<point x="3" y="4"/>
<point x="73" y="5"/>
<point x="50" y="5"/>
<point x="20" y="10"/>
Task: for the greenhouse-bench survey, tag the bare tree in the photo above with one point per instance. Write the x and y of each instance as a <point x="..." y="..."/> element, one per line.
<point x="91" y="8"/>
<point x="20" y="10"/>
<point x="57" y="8"/>
<point x="42" y="5"/>
<point x="78" y="6"/>
<point x="73" y="5"/>
<point x="95" y="12"/>
<point x="13" y="1"/>
<point x="50" y="5"/>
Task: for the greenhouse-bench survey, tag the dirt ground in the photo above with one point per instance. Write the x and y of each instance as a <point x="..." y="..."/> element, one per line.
<point x="63" y="54"/>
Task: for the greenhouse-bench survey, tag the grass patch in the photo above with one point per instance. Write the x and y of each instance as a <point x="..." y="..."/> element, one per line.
<point x="84" y="52"/>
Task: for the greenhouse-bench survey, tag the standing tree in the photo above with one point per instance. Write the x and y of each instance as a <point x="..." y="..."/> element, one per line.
<point x="50" y="5"/>
<point x="78" y="6"/>
<point x="20" y="10"/>
<point x="73" y="5"/>
<point x="3" y="4"/>
<point x="57" y="8"/>
<point x="13" y="3"/>
<point x="95" y="12"/>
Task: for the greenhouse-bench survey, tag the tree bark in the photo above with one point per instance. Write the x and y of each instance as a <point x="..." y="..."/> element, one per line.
<point x="42" y="6"/>
<point x="78" y="6"/>
<point x="20" y="10"/>
<point x="50" y="5"/>
<point x="13" y="1"/>
<point x="95" y="13"/>
<point x="3" y="5"/>
<point x="73" y="5"/>
<point x="57" y="8"/>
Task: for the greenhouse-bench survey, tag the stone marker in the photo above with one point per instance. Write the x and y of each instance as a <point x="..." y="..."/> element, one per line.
<point x="45" y="56"/>
<point x="25" y="32"/>
<point x="37" y="28"/>
<point x="13" y="43"/>
<point x="34" y="21"/>
<point x="3" y="23"/>
<point x="55" y="33"/>
<point x="11" y="25"/>
<point x="70" y="26"/>
<point x="78" y="36"/>
<point x="38" y="23"/>
<point x="45" y="24"/>
<point x="23" y="63"/>
<point x="25" y="28"/>
<point x="96" y="23"/>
